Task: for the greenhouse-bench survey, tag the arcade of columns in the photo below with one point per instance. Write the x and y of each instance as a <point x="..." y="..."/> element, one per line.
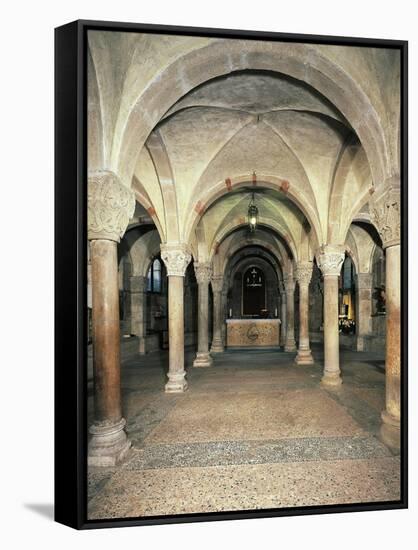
<point x="112" y="203"/>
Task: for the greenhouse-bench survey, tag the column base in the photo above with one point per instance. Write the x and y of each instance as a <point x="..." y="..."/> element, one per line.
<point x="109" y="444"/>
<point x="304" y="357"/>
<point x="203" y="359"/>
<point x="390" y="431"/>
<point x="176" y="383"/>
<point x="290" y="346"/>
<point x="217" y="347"/>
<point x="331" y="380"/>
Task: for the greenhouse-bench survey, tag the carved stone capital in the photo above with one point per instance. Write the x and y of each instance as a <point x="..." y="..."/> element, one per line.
<point x="385" y="212"/>
<point x="203" y="272"/>
<point x="330" y="259"/>
<point x="304" y="273"/>
<point x="176" y="258"/>
<point x="110" y="206"/>
<point x="217" y="283"/>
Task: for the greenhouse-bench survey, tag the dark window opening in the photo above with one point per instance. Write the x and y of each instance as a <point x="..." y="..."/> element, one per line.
<point x="154" y="277"/>
<point x="254" y="292"/>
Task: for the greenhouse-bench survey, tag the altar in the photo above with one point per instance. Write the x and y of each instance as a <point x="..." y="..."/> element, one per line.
<point x="252" y="333"/>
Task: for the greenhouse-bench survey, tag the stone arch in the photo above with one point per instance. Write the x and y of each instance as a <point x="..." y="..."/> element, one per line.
<point x="276" y="254"/>
<point x="143" y="249"/>
<point x="222" y="188"/>
<point x="241" y="265"/>
<point x="238" y="259"/>
<point x="303" y="62"/>
<point x="159" y="156"/>
<point x="95" y="139"/>
<point x="350" y="248"/>
<point x="266" y="222"/>
<point x="143" y="200"/>
<point x="352" y="158"/>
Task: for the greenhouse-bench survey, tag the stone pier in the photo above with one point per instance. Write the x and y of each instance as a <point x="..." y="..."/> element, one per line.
<point x="283" y="319"/>
<point x="137" y="301"/>
<point x="364" y="291"/>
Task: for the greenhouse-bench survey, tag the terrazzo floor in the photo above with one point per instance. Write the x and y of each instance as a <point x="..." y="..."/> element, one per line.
<point x="253" y="431"/>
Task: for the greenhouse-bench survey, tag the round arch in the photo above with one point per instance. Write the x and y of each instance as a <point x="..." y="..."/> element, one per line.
<point x="238" y="223"/>
<point x="266" y="181"/>
<point x="231" y="269"/>
<point x="267" y="249"/>
<point x="303" y="62"/>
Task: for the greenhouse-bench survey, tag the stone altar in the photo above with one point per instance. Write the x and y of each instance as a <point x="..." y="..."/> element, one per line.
<point x="252" y="332"/>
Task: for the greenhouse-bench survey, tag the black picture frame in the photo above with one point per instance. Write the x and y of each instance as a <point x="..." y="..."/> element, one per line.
<point x="71" y="273"/>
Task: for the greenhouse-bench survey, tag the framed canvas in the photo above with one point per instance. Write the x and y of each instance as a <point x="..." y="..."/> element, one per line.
<point x="231" y="282"/>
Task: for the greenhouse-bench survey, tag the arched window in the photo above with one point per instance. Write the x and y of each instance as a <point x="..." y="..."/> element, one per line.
<point x="154" y="276"/>
<point x="253" y="292"/>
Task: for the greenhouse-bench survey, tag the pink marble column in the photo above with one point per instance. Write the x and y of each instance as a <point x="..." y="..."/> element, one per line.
<point x="203" y="272"/>
<point x="303" y="277"/>
<point x="110" y="205"/>
<point x="386" y="216"/>
<point x="289" y="284"/>
<point x="176" y="259"/>
<point x="330" y="260"/>
<point x="217" y="340"/>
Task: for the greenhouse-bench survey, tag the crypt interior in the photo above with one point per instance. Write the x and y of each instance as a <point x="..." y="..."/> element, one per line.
<point x="243" y="274"/>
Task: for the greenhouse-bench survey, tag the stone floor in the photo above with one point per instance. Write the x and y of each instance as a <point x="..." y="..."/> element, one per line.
<point x="253" y="431"/>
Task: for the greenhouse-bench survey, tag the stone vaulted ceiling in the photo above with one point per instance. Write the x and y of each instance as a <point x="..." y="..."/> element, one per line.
<point x="237" y="127"/>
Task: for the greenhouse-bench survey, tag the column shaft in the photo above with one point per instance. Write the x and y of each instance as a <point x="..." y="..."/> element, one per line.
<point x="109" y="443"/>
<point x="331" y="375"/>
<point x="137" y="295"/>
<point x="176" y="258"/>
<point x="363" y="309"/>
<point x="176" y="373"/>
<point x="217" y="342"/>
<point x="283" y="319"/>
<point x="390" y="429"/>
<point x="304" y="356"/>
<point x="203" y="358"/>
<point x="290" y="316"/>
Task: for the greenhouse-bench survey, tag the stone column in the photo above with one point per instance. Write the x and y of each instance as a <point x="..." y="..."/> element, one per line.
<point x="283" y="316"/>
<point x="330" y="260"/>
<point x="303" y="277"/>
<point x="110" y="206"/>
<point x="203" y="272"/>
<point x="176" y="259"/>
<point x="137" y="300"/>
<point x="386" y="216"/>
<point x="217" y="341"/>
<point x="364" y="283"/>
<point x="289" y="284"/>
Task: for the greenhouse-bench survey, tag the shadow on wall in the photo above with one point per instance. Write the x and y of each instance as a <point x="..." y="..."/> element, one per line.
<point x="42" y="509"/>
